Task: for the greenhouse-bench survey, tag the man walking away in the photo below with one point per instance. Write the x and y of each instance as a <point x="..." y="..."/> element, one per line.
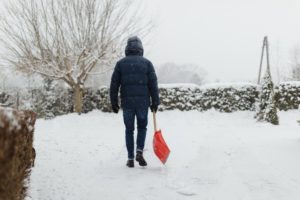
<point x="136" y="77"/>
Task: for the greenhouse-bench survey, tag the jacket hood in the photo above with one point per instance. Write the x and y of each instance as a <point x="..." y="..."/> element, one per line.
<point x="134" y="47"/>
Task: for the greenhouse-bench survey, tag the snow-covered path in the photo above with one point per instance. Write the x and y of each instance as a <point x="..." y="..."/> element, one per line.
<point x="214" y="156"/>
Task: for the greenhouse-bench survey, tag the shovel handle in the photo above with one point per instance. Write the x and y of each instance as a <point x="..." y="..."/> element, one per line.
<point x="154" y="121"/>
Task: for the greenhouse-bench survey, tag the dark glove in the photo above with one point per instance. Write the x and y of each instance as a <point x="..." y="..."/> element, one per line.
<point x="153" y="108"/>
<point x="115" y="108"/>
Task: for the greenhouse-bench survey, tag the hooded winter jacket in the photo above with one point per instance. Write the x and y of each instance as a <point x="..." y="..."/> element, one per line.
<point x="136" y="78"/>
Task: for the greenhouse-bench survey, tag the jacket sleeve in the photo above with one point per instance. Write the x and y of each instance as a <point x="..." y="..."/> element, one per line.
<point x="115" y="85"/>
<point x="152" y="85"/>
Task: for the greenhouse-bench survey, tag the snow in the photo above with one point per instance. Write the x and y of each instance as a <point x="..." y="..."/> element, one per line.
<point x="236" y="85"/>
<point x="291" y="83"/>
<point x="178" y="85"/>
<point x="213" y="156"/>
<point x="7" y="114"/>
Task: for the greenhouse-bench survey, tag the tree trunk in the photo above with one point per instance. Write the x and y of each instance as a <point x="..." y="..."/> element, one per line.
<point x="78" y="98"/>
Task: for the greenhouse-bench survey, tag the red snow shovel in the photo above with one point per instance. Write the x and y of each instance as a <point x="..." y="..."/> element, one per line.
<point x="160" y="147"/>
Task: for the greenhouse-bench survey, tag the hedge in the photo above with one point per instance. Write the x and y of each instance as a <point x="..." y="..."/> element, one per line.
<point x="222" y="97"/>
<point x="287" y="95"/>
<point x="16" y="152"/>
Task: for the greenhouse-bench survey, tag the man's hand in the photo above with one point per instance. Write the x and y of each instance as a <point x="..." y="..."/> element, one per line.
<point x="115" y="108"/>
<point x="154" y="108"/>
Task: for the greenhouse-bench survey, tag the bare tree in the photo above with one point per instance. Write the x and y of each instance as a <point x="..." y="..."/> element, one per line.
<point x="66" y="40"/>
<point x="295" y="63"/>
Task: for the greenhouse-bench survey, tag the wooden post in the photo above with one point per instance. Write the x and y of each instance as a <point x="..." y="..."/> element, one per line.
<point x="261" y="60"/>
<point x="268" y="58"/>
<point x="268" y="62"/>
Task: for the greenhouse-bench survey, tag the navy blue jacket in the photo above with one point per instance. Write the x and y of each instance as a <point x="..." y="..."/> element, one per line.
<point x="136" y="77"/>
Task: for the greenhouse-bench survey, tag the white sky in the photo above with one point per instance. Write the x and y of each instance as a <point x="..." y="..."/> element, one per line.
<point x="224" y="36"/>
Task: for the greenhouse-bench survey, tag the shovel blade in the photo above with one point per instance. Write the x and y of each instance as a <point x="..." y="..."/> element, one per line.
<point x="160" y="147"/>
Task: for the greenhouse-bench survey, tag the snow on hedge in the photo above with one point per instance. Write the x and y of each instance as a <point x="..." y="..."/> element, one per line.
<point x="8" y="115"/>
<point x="224" y="97"/>
<point x="291" y="83"/>
<point x="236" y="85"/>
<point x="288" y="95"/>
<point x="176" y="85"/>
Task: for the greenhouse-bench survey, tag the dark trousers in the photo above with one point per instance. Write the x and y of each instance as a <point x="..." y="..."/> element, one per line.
<point x="142" y="122"/>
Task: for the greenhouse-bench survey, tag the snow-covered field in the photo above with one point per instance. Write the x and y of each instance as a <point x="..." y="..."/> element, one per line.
<point x="215" y="156"/>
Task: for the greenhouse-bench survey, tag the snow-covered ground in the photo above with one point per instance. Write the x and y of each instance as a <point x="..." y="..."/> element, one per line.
<point x="215" y="156"/>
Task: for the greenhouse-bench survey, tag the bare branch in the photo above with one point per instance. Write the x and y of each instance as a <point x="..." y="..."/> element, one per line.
<point x="68" y="39"/>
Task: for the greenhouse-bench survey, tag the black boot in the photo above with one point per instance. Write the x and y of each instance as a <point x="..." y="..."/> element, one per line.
<point x="130" y="163"/>
<point x="139" y="157"/>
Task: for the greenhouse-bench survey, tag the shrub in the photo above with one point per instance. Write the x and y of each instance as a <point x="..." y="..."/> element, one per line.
<point x="16" y="152"/>
<point x="267" y="110"/>
<point x="288" y="95"/>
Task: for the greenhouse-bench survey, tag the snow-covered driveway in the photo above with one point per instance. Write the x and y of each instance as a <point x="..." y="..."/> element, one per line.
<point x="214" y="156"/>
